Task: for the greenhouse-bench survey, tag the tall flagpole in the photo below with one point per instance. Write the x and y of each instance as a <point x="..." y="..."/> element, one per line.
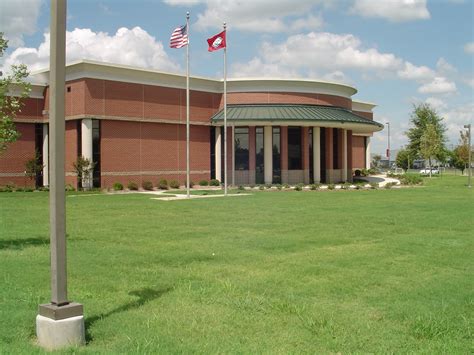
<point x="187" y="107"/>
<point x="225" y="114"/>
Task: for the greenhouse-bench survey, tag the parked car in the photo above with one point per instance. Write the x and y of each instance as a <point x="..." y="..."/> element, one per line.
<point x="426" y="171"/>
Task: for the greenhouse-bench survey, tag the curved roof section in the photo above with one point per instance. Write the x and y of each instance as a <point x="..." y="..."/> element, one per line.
<point x="125" y="73"/>
<point x="296" y="114"/>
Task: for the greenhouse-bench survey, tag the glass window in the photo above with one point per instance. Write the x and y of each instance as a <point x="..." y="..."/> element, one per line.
<point x="294" y="148"/>
<point x="96" y="152"/>
<point x="241" y="141"/>
<point x="276" y="156"/>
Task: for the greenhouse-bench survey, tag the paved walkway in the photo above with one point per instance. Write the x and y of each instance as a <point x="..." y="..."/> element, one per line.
<point x="175" y="197"/>
<point x="382" y="180"/>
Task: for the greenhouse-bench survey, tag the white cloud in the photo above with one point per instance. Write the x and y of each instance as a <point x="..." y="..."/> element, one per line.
<point x="18" y="18"/>
<point x="455" y="118"/>
<point x="469" y="48"/>
<point x="266" y="16"/>
<point x="392" y="10"/>
<point x="127" y="46"/>
<point x="439" y="85"/>
<point x="436" y="103"/>
<point x="413" y="72"/>
<point x="445" y="68"/>
<point x="256" y="68"/>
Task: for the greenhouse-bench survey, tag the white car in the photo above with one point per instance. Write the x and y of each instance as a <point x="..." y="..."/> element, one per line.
<point x="426" y="171"/>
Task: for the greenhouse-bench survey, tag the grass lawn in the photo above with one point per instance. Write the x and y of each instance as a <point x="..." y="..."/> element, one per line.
<point x="372" y="271"/>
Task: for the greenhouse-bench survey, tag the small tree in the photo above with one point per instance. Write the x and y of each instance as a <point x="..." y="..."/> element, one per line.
<point x="430" y="144"/>
<point x="33" y="166"/>
<point x="376" y="161"/>
<point x="83" y="168"/>
<point x="460" y="158"/>
<point x="13" y="90"/>
<point x="403" y="159"/>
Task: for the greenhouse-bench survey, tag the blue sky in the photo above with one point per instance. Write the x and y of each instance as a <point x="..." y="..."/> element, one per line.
<point x="395" y="52"/>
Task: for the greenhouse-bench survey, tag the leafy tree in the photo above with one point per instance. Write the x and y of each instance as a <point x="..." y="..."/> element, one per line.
<point x="404" y="160"/>
<point x="83" y="168"/>
<point x="376" y="160"/>
<point x="460" y="156"/>
<point x="430" y="143"/>
<point x="34" y="166"/>
<point x="11" y="101"/>
<point x="422" y="116"/>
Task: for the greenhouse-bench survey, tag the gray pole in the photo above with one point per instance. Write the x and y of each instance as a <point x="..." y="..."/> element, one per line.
<point x="388" y="149"/>
<point x="60" y="323"/>
<point x="187" y="107"/>
<point x="225" y="114"/>
<point x="57" y="201"/>
<point x="469" y="152"/>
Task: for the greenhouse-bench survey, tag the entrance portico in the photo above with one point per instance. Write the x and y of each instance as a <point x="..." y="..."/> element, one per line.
<point x="287" y="150"/>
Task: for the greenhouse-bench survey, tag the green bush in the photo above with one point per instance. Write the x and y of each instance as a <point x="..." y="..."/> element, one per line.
<point x="117" y="186"/>
<point x="410" y="179"/>
<point x="203" y="183"/>
<point x="43" y="188"/>
<point x="147" y="185"/>
<point x="331" y="186"/>
<point x="133" y="186"/>
<point x="69" y="187"/>
<point x="374" y="185"/>
<point x="261" y="187"/>
<point x="19" y="189"/>
<point x="389" y="185"/>
<point x="28" y="189"/>
<point x="215" y="182"/>
<point x="315" y="186"/>
<point x="163" y="184"/>
<point x="268" y="186"/>
<point x="286" y="186"/>
<point x="191" y="184"/>
<point x="299" y="187"/>
<point x="174" y="184"/>
<point x="241" y="188"/>
<point x="278" y="186"/>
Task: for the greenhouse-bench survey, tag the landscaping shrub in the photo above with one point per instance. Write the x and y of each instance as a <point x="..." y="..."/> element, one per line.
<point x="286" y="186"/>
<point x="117" y="186"/>
<point x="163" y="184"/>
<point x="215" y="182"/>
<point x="147" y="185"/>
<point x="19" y="189"/>
<point x="410" y="179"/>
<point x="374" y="185"/>
<point x="279" y="186"/>
<point x="315" y="186"/>
<point x="331" y="186"/>
<point x="299" y="187"/>
<point x="133" y="186"/>
<point x="268" y="186"/>
<point x="203" y="183"/>
<point x="69" y="187"/>
<point x="241" y="188"/>
<point x="28" y="189"/>
<point x="261" y="187"/>
<point x="191" y="184"/>
<point x="174" y="184"/>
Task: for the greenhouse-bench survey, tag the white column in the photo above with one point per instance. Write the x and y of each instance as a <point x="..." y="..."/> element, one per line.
<point x="367" y="153"/>
<point x="218" y="153"/>
<point x="268" y="154"/>
<point x="45" y="154"/>
<point x="344" y="155"/>
<point x="316" y="155"/>
<point x="86" y="143"/>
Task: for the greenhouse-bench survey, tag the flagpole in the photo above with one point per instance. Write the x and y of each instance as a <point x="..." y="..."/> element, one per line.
<point x="187" y="107"/>
<point x="225" y="114"/>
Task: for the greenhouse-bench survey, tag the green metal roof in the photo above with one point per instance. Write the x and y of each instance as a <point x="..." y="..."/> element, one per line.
<point x="289" y="112"/>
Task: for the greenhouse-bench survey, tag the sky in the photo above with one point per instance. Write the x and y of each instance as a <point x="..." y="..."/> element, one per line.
<point x="397" y="53"/>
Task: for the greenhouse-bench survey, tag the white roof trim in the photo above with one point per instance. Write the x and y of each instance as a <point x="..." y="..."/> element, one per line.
<point x="362" y="106"/>
<point x="106" y="71"/>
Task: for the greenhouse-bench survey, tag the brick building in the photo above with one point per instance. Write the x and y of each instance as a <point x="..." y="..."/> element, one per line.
<point x="132" y="123"/>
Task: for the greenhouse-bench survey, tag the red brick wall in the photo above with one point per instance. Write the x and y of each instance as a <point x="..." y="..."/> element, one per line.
<point x="75" y="100"/>
<point x="286" y="98"/>
<point x="130" y="149"/>
<point x="32" y="109"/>
<point x="349" y="152"/>
<point x="358" y="152"/>
<point x="112" y="98"/>
<point x="368" y="115"/>
<point x="71" y="152"/>
<point x="13" y="160"/>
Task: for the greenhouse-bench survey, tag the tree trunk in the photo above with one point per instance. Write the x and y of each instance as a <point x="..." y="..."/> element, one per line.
<point x="429" y="161"/>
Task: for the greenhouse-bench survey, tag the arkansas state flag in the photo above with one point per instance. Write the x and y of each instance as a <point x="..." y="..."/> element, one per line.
<point x="216" y="42"/>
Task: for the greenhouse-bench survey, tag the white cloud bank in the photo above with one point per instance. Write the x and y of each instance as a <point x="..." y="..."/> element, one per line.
<point x="392" y="10"/>
<point x="133" y="47"/>
<point x="18" y="18"/>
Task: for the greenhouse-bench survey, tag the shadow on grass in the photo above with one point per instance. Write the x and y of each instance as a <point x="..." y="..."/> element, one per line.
<point x="17" y="244"/>
<point x="144" y="295"/>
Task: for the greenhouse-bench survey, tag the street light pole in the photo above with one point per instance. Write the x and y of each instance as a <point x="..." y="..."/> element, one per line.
<point x="388" y="145"/>
<point x="61" y="322"/>
<point x="468" y="126"/>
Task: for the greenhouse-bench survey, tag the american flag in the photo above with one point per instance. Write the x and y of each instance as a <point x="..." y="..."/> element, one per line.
<point x="179" y="37"/>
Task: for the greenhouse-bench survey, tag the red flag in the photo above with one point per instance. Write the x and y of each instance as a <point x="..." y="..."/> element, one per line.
<point x="216" y="42"/>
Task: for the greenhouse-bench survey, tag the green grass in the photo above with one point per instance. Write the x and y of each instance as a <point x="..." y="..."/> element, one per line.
<point x="374" y="271"/>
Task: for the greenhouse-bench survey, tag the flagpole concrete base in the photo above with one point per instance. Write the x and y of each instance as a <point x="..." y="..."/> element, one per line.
<point x="56" y="334"/>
